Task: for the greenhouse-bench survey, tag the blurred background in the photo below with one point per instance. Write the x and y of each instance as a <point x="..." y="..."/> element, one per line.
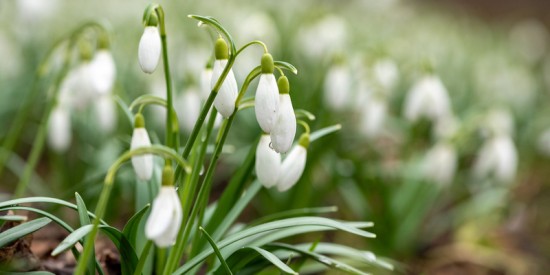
<point x="444" y="107"/>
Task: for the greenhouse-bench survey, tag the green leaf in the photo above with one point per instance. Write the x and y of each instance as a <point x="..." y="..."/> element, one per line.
<point x="286" y="65"/>
<point x="346" y="251"/>
<point x="273" y="259"/>
<point x="248" y="235"/>
<point x="147" y="99"/>
<point x="131" y="229"/>
<point x="301" y="113"/>
<point x="21" y="230"/>
<point x="319" y="258"/>
<point x="125" y="109"/>
<point x="85" y="220"/>
<point x="128" y="257"/>
<point x="13" y="218"/>
<point x="27" y="273"/>
<point x="72" y="239"/>
<point x="216" y="250"/>
<point x="294" y="213"/>
<point x="323" y="132"/>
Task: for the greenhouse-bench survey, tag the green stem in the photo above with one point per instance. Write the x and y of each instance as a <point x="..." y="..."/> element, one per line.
<point x="257" y="42"/>
<point x="143" y="257"/>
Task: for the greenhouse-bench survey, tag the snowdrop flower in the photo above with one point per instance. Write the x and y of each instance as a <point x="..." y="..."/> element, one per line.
<point x="105" y="109"/>
<point x="103" y="71"/>
<point x="164" y="222"/>
<point x="36" y="10"/>
<point x="149" y="49"/>
<point x="428" y="98"/>
<point x="267" y="96"/>
<point x="439" y="164"/>
<point x="293" y="165"/>
<point x="143" y="164"/>
<point x="59" y="129"/>
<point x="372" y="117"/>
<point x="324" y="38"/>
<point x="282" y="134"/>
<point x="497" y="158"/>
<point x="81" y="85"/>
<point x="337" y="87"/>
<point x="189" y="104"/>
<point x="268" y="163"/>
<point x="227" y="94"/>
<point x="386" y="73"/>
<point x="205" y="79"/>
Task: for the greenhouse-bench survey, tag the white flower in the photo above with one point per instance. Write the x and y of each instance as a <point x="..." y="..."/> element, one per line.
<point x="373" y="115"/>
<point x="386" y="73"/>
<point x="103" y="71"/>
<point x="164" y="221"/>
<point x="292" y="168"/>
<point x="227" y="94"/>
<point x="81" y="87"/>
<point x="497" y="158"/>
<point x="59" y="129"/>
<point x="337" y="87"/>
<point x="439" y="164"/>
<point x="206" y="78"/>
<point x="428" y="98"/>
<point x="268" y="163"/>
<point x="149" y="49"/>
<point x="143" y="164"/>
<point x="284" y="130"/>
<point x="105" y="109"/>
<point x="189" y="106"/>
<point x="267" y="102"/>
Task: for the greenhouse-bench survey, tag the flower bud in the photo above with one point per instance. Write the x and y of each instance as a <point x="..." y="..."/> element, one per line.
<point x="227" y="94"/>
<point x="284" y="130"/>
<point x="293" y="165"/>
<point x="164" y="222"/>
<point x="143" y="164"/>
<point x="267" y="99"/>
<point x="268" y="163"/>
<point x="149" y="49"/>
<point x="59" y="129"/>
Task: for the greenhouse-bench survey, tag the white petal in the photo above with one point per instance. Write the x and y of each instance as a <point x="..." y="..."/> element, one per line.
<point x="59" y="130"/>
<point x="268" y="163"/>
<point x="337" y="88"/>
<point x="143" y="165"/>
<point x="103" y="71"/>
<point x="292" y="168"/>
<point x="165" y="217"/>
<point x="428" y="98"/>
<point x="373" y="116"/>
<point x="149" y="49"/>
<point x="82" y="91"/>
<point x="284" y="131"/>
<point x="386" y="73"/>
<point x="267" y="102"/>
<point x="227" y="95"/>
<point x="105" y="109"/>
<point x="507" y="158"/>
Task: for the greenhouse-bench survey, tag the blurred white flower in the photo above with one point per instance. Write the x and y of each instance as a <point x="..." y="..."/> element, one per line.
<point x="386" y="73"/>
<point x="188" y="106"/>
<point x="427" y="98"/>
<point x="498" y="159"/>
<point x="324" y="38"/>
<point x="227" y="94"/>
<point x="81" y="86"/>
<point x="530" y="37"/>
<point x="143" y="164"/>
<point x="36" y="10"/>
<point x="543" y="143"/>
<point x="268" y="163"/>
<point x="292" y="168"/>
<point x="337" y="87"/>
<point x="149" y="49"/>
<point x="105" y="109"/>
<point x="284" y="130"/>
<point x="59" y="129"/>
<point x="267" y="102"/>
<point x="103" y="71"/>
<point x="439" y="164"/>
<point x="206" y="78"/>
<point x="165" y="219"/>
<point x="372" y="116"/>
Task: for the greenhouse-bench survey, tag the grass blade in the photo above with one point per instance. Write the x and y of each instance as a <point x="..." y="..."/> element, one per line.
<point x="21" y="230"/>
<point x="72" y="239"/>
<point x="216" y="250"/>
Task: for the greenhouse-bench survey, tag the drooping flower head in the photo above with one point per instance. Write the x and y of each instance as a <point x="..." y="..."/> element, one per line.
<point x="337" y="87"/>
<point x="103" y="71"/>
<point x="150" y="46"/>
<point x="59" y="129"/>
<point x="429" y="99"/>
<point x="227" y="94"/>
<point x="268" y="162"/>
<point x="267" y="96"/>
<point x="284" y="130"/>
<point x="165" y="219"/>
<point x="143" y="164"/>
<point x="293" y="165"/>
